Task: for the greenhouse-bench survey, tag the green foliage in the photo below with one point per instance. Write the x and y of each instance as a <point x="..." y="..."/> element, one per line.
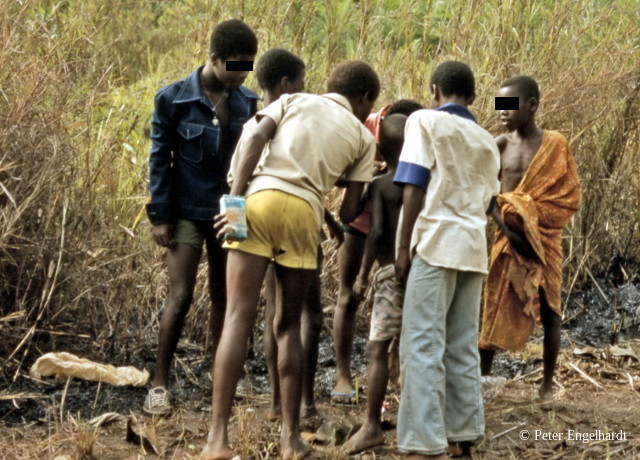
<point x="77" y="81"/>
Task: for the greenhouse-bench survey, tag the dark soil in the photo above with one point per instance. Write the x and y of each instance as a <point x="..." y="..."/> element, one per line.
<point x="593" y="317"/>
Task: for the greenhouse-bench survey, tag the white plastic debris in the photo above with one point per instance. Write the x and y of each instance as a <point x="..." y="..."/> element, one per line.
<point x="65" y="365"/>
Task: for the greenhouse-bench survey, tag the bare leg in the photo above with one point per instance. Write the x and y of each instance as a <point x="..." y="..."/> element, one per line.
<point x="217" y="259"/>
<point x="182" y="263"/>
<point x="291" y="285"/>
<point x="312" y="319"/>
<point x="486" y="361"/>
<point x="311" y="327"/>
<point x="394" y="361"/>
<point x="551" y="346"/>
<point x="349" y="260"/>
<point x="244" y="278"/>
<point x="370" y="434"/>
<point x="270" y="345"/>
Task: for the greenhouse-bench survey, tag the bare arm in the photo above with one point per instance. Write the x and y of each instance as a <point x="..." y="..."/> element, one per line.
<point x="494" y="211"/>
<point x="250" y="156"/>
<point x="335" y="230"/>
<point x="412" y="197"/>
<point x="372" y="243"/>
<point x="351" y="201"/>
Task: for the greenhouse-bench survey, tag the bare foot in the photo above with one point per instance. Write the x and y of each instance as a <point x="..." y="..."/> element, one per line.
<point x="546" y="398"/>
<point x="368" y="436"/>
<point x="460" y="449"/>
<point x="213" y="453"/>
<point x="294" y="449"/>
<point x="343" y="393"/>
<point x="308" y="412"/>
<point x="454" y="449"/>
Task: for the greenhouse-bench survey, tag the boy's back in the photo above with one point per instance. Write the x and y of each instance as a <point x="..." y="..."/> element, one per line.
<point x="390" y="199"/>
<point x="464" y="164"/>
<point x="317" y="138"/>
<point x="385" y="197"/>
<point x="449" y="167"/>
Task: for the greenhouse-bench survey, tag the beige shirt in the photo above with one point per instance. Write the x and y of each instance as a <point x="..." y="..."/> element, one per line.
<point x="318" y="140"/>
<point x="464" y="164"/>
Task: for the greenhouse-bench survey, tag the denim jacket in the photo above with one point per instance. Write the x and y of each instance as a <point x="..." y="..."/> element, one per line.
<point x="187" y="175"/>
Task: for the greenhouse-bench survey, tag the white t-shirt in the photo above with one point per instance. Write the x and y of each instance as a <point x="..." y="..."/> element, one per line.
<point x="461" y="161"/>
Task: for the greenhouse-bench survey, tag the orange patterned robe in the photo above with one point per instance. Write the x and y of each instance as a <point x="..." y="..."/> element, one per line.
<point x="541" y="207"/>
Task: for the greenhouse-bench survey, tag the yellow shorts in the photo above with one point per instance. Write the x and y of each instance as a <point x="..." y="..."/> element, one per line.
<point x="282" y="227"/>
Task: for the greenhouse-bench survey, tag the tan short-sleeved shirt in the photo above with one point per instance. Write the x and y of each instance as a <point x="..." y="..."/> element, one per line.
<point x="318" y="140"/>
<point x="462" y="162"/>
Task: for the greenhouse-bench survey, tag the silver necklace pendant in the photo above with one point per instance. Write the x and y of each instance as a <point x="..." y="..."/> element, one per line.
<point x="215" y="121"/>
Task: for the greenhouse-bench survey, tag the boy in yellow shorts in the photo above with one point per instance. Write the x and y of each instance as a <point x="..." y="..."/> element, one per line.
<point x="313" y="141"/>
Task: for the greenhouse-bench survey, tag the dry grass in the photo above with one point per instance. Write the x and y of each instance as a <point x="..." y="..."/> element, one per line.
<point x="77" y="264"/>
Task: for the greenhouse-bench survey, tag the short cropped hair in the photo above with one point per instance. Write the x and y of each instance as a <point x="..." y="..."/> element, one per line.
<point x="354" y="79"/>
<point x="231" y="38"/>
<point x="404" y="106"/>
<point x="276" y="64"/>
<point x="526" y="86"/>
<point x="454" y="78"/>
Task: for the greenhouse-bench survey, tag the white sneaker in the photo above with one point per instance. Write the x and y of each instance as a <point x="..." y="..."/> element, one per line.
<point x="491" y="386"/>
<point x="157" y="402"/>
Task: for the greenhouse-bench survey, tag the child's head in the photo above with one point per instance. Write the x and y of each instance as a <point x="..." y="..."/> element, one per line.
<point x="358" y="82"/>
<point x="452" y="81"/>
<point x="404" y="106"/>
<point x="526" y="90"/>
<point x="280" y="72"/>
<point x="392" y="137"/>
<point x="232" y="40"/>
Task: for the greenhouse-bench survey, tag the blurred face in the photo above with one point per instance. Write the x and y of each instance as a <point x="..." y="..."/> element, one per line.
<point x="231" y="79"/>
<point x="514" y="119"/>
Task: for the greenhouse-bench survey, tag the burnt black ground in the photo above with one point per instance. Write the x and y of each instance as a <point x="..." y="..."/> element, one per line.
<point x="595" y="322"/>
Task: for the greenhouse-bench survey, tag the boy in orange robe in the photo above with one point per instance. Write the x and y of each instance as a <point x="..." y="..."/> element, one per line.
<point x="540" y="193"/>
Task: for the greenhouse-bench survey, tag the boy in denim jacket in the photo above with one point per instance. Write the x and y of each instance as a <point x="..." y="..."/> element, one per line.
<point x="196" y="125"/>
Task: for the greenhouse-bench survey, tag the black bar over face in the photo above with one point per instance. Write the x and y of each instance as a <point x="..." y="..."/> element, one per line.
<point x="507" y="103"/>
<point x="240" y="66"/>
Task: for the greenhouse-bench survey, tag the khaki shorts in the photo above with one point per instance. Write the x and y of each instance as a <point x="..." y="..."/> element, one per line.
<point x="386" y="317"/>
<point x="282" y="227"/>
<point x="193" y="232"/>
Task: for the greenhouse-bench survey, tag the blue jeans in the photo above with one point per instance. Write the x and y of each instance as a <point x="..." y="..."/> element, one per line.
<point x="441" y="399"/>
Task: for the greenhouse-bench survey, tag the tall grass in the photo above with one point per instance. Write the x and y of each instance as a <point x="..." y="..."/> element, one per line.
<point x="76" y="92"/>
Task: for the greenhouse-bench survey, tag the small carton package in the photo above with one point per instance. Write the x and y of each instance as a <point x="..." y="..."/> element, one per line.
<point x="233" y="207"/>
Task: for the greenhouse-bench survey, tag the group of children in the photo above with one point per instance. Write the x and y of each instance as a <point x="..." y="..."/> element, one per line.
<point x="437" y="177"/>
